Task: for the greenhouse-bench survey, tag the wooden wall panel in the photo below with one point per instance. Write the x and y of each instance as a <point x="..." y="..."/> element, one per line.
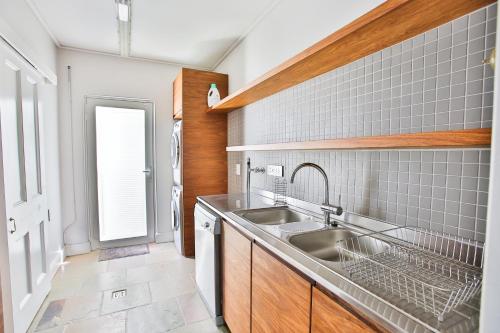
<point x="281" y="298"/>
<point x="204" y="141"/>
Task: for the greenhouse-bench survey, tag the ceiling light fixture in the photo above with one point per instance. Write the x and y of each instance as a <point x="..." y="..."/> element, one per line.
<point x="123" y="10"/>
<point x="124" y="26"/>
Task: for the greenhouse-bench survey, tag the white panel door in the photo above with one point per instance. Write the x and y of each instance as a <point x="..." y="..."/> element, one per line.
<point x="121" y="172"/>
<point x="25" y="199"/>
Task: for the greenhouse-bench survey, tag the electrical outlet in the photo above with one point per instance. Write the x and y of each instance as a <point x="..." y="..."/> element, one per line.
<point x="275" y="170"/>
<point x="237" y="169"/>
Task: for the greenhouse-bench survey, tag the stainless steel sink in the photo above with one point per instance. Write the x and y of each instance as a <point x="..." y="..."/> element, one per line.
<point x="272" y="216"/>
<point x="322" y="244"/>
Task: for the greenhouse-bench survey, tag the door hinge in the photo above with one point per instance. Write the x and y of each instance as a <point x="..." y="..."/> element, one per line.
<point x="48" y="215"/>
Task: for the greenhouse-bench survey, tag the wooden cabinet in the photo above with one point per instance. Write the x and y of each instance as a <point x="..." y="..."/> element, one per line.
<point x="177" y="97"/>
<point x="281" y="298"/>
<point x="1" y="310"/>
<point x="262" y="294"/>
<point x="204" y="141"/>
<point x="236" y="269"/>
<point x="328" y="316"/>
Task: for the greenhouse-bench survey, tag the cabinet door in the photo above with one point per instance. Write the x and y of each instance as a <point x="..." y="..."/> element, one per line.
<point x="281" y="299"/>
<point x="177" y="90"/>
<point x="236" y="263"/>
<point x="329" y="316"/>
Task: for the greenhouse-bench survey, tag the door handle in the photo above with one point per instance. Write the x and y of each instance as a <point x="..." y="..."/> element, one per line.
<point x="15" y="227"/>
<point x="147" y="171"/>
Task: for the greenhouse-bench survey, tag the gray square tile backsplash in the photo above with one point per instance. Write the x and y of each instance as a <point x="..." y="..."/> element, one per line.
<point x="434" y="81"/>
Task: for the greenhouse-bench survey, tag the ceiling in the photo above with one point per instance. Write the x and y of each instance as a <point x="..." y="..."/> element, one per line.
<point x="188" y="32"/>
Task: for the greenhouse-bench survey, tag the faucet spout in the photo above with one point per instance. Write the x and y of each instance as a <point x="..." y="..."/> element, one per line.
<point x="323" y="173"/>
<point x="326" y="207"/>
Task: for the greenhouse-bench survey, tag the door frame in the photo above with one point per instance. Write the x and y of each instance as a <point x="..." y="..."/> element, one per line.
<point x="91" y="213"/>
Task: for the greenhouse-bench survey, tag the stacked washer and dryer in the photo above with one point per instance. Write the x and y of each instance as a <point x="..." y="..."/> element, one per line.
<point x="176" y="204"/>
<point x="198" y="151"/>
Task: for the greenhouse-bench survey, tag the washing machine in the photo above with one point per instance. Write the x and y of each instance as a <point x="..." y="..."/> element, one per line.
<point x="176" y="152"/>
<point x="177" y="218"/>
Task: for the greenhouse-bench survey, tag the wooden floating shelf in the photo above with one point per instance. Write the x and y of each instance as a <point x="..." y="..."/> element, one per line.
<point x="443" y="139"/>
<point x="392" y="22"/>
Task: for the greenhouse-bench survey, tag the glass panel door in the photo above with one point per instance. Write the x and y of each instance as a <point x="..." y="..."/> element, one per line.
<point x="121" y="172"/>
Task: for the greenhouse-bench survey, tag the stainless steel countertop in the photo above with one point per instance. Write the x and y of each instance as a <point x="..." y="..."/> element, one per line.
<point x="402" y="317"/>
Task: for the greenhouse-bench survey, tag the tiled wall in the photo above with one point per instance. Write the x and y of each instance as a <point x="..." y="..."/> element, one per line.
<point x="434" y="81"/>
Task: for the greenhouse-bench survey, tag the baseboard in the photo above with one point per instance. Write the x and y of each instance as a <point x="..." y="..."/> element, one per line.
<point x="165" y="237"/>
<point x="55" y="263"/>
<point x="75" y="249"/>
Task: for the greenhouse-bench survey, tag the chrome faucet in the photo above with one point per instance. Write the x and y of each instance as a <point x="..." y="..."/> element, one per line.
<point x="326" y="207"/>
<point x="249" y="171"/>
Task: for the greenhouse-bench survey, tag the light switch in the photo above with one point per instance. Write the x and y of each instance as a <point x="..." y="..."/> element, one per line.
<point x="275" y="170"/>
<point x="237" y="169"/>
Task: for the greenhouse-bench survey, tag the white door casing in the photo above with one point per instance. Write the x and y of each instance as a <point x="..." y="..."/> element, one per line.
<point x="25" y="281"/>
<point x="91" y="103"/>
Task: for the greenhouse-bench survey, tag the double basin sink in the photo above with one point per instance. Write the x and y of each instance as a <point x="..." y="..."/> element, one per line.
<point x="321" y="244"/>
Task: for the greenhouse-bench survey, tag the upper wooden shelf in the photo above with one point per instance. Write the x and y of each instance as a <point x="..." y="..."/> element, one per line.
<point x="390" y="23"/>
<point x="444" y="139"/>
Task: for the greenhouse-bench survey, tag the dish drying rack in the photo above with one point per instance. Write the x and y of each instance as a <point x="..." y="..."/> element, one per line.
<point x="432" y="270"/>
<point x="280" y="191"/>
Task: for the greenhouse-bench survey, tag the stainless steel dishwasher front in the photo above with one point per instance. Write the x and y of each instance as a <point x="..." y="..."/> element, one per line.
<point x="207" y="251"/>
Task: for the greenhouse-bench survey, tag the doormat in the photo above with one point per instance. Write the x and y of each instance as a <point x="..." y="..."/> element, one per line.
<point x="122" y="252"/>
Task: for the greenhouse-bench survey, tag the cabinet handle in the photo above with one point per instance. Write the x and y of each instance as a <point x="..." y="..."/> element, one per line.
<point x="15" y="227"/>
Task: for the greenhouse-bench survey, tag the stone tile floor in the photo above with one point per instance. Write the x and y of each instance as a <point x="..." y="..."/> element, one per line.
<point x="160" y="296"/>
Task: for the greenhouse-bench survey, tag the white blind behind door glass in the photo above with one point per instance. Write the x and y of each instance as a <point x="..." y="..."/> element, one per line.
<point x="121" y="181"/>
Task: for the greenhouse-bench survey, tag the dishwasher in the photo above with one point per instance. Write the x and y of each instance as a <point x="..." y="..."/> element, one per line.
<point x="207" y="250"/>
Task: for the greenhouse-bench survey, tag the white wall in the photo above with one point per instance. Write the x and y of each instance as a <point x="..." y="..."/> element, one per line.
<point x="490" y="299"/>
<point x="19" y="24"/>
<point x="290" y="27"/>
<point x="102" y="75"/>
<point x="36" y="42"/>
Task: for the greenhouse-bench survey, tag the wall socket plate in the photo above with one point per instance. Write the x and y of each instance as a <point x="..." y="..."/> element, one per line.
<point x="275" y="170"/>
<point x="237" y="169"/>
